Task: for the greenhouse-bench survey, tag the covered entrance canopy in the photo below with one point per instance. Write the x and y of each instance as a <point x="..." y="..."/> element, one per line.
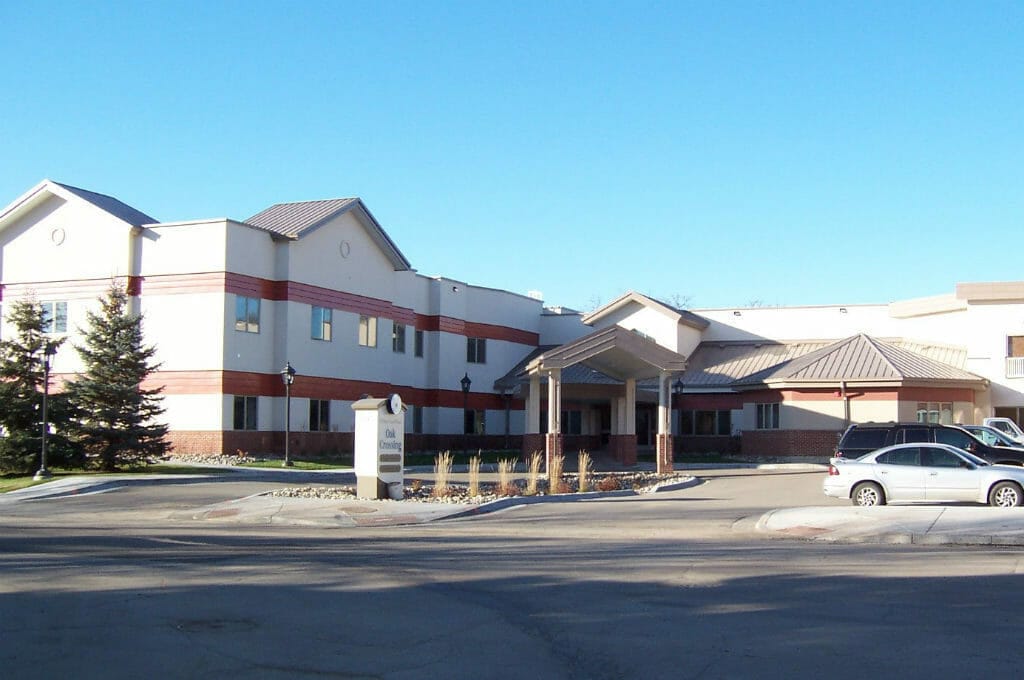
<point x="627" y="357"/>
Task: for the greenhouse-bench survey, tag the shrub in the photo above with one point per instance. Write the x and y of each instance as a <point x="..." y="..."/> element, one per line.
<point x="555" y="484"/>
<point x="586" y="469"/>
<point x="442" y="473"/>
<point x="474" y="476"/>
<point x="533" y="473"/>
<point x="609" y="483"/>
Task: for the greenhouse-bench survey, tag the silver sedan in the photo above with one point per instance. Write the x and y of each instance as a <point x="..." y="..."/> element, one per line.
<point x="930" y="473"/>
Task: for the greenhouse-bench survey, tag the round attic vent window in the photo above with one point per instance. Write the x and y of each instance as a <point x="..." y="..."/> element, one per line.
<point x="344" y="249"/>
<point x="57" y="236"/>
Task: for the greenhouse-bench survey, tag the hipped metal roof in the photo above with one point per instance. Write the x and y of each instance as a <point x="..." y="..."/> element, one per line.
<point x="859" y="358"/>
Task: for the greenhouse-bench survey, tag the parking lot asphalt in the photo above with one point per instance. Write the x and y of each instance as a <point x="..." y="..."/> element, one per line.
<point x="919" y="524"/>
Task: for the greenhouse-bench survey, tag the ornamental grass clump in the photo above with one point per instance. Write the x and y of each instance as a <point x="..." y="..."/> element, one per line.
<point x="533" y="473"/>
<point x="555" y="483"/>
<point x="474" y="476"/>
<point x="506" y="487"/>
<point x="442" y="473"/>
<point x="586" y="470"/>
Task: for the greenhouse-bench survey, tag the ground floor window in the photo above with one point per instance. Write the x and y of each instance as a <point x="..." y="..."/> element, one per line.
<point x="705" y="423"/>
<point x="572" y="422"/>
<point x="935" y="412"/>
<point x="319" y="415"/>
<point x="473" y="422"/>
<point x="417" y="420"/>
<point x="767" y="416"/>
<point x="246" y="413"/>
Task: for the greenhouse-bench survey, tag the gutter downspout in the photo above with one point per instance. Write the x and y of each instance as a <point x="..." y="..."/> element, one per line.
<point x="846" y="404"/>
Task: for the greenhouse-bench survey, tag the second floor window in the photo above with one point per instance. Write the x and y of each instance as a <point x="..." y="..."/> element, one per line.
<point x="247" y="314"/>
<point x="368" y="331"/>
<point x="55" y="317"/>
<point x="476" y="350"/>
<point x="417" y="343"/>
<point x="398" y="338"/>
<point x="321" y="324"/>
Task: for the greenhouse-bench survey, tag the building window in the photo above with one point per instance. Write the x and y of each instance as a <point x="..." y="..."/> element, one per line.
<point x="417" y="420"/>
<point x="55" y="317"/>
<point x="572" y="422"/>
<point x="418" y="343"/>
<point x="398" y="338"/>
<point x="246" y="413"/>
<point x="705" y="423"/>
<point x="319" y="415"/>
<point x="473" y="421"/>
<point x="476" y="350"/>
<point x="368" y="331"/>
<point x="767" y="416"/>
<point x="935" y="412"/>
<point x="321" y="323"/>
<point x="247" y="314"/>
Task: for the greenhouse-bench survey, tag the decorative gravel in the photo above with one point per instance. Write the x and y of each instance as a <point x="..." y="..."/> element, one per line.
<point x="640" y="482"/>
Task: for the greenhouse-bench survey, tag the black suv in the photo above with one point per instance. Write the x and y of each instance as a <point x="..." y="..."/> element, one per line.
<point x="866" y="437"/>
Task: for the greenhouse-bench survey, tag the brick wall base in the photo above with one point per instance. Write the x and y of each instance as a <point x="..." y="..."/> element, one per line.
<point x="773" y="443"/>
<point x="623" y="448"/>
<point x="665" y="459"/>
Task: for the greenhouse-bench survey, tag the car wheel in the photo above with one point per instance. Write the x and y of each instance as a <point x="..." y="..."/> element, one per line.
<point x="1005" y="495"/>
<point x="867" y="494"/>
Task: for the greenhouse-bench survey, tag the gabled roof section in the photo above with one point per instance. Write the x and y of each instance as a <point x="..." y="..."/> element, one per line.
<point x="294" y="220"/>
<point x="860" y="358"/>
<point x="632" y="297"/>
<point x="48" y="188"/>
<point x="118" y="209"/>
<point x="615" y="352"/>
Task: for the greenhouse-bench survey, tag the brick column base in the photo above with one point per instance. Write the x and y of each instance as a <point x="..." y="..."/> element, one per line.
<point x="533" y="443"/>
<point x="623" y="448"/>
<point x="553" y="447"/>
<point x="665" y="456"/>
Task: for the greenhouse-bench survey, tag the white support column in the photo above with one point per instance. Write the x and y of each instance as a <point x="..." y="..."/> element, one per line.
<point x="664" y="403"/>
<point x="553" y="440"/>
<point x="630" y="406"/>
<point x="533" y="406"/>
<point x="555" y="401"/>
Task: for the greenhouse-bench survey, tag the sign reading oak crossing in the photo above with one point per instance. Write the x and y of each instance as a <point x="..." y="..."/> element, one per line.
<point x="380" y="447"/>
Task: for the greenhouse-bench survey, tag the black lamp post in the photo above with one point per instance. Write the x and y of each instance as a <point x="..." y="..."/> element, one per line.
<point x="287" y="377"/>
<point x="466" y="382"/>
<point x="677" y="389"/>
<point x="49" y="349"/>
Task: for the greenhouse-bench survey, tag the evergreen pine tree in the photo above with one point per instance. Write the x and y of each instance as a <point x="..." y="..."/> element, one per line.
<point x="118" y="423"/>
<point x="21" y="392"/>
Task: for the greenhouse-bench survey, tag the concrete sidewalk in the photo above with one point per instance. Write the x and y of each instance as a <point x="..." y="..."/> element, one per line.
<point x="918" y="524"/>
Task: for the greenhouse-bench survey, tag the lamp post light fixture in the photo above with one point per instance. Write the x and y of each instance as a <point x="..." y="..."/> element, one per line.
<point x="465" y="382"/>
<point x="677" y="389"/>
<point x="287" y="377"/>
<point x="49" y="349"/>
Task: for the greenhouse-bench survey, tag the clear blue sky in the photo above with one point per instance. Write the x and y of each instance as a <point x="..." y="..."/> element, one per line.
<point x="729" y="152"/>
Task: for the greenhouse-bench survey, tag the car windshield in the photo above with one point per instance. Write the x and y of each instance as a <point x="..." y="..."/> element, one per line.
<point x="997" y="435"/>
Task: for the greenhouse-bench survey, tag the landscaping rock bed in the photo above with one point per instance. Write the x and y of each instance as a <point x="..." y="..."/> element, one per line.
<point x="640" y="482"/>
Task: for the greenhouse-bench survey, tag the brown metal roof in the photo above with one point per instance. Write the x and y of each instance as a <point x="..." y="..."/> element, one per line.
<point x="614" y="352"/>
<point x="293" y="220"/>
<point x="859" y="358"/>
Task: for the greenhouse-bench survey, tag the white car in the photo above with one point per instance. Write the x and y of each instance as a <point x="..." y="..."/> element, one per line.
<point x="930" y="473"/>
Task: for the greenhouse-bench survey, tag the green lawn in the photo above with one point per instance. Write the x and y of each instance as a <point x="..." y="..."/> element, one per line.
<point x="324" y="464"/>
<point x="14" y="482"/>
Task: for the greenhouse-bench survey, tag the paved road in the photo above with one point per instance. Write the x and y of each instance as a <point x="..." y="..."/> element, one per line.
<point x="665" y="586"/>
